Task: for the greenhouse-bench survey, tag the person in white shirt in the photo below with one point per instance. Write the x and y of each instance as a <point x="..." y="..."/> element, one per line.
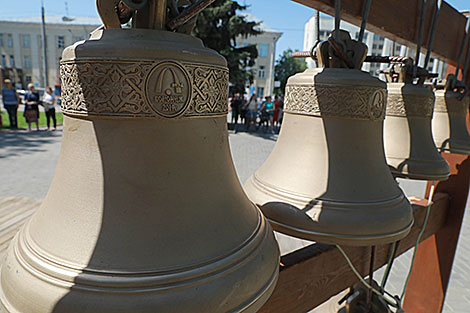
<point x="48" y="102"/>
<point x="251" y="107"/>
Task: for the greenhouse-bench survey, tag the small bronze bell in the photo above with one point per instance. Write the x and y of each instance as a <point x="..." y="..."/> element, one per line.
<point x="449" y="125"/>
<point x="145" y="212"/>
<point x="327" y="179"/>
<point x="408" y="140"/>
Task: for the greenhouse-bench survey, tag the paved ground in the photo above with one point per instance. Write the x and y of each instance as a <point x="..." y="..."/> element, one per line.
<point x="28" y="160"/>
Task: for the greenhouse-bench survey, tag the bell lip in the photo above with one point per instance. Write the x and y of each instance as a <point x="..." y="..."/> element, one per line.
<point x="255" y="303"/>
<point x="460" y="147"/>
<point x="308" y="231"/>
<point x="252" y="305"/>
<point x="341" y="239"/>
<point x="417" y="176"/>
<point x="420" y="175"/>
<point x="57" y="272"/>
<point x="301" y="199"/>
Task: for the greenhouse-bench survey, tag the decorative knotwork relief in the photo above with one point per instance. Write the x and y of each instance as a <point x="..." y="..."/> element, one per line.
<point x="143" y="88"/>
<point x="450" y="103"/>
<point x="334" y="101"/>
<point x="409" y="105"/>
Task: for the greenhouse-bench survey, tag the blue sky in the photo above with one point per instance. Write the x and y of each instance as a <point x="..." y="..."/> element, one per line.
<point x="284" y="15"/>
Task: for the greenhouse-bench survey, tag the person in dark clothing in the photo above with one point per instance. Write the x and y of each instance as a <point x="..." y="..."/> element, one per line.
<point x="48" y="102"/>
<point x="236" y="105"/>
<point x="31" y="110"/>
<point x="10" y="102"/>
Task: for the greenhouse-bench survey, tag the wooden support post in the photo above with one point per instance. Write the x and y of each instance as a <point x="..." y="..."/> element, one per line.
<point x="433" y="264"/>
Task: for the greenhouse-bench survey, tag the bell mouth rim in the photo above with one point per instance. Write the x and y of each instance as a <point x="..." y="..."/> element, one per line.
<point x="340" y="239"/>
<point x="431" y="177"/>
<point x="417" y="174"/>
<point x="302" y="199"/>
<point x="463" y="146"/>
<point x="251" y="305"/>
<point x="57" y="272"/>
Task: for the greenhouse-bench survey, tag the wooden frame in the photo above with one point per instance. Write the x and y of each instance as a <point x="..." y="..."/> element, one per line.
<point x="398" y="20"/>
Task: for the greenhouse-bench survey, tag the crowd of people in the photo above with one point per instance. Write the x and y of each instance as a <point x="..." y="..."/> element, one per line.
<point x="31" y="101"/>
<point x="255" y="113"/>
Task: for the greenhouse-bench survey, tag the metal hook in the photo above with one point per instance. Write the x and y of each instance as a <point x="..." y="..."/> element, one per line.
<point x="317" y="22"/>
<point x="107" y="12"/>
<point x="433" y="33"/>
<point x="420" y="35"/>
<point x="337" y="18"/>
<point x="467" y="26"/>
<point x="465" y="67"/>
<point x="365" y="16"/>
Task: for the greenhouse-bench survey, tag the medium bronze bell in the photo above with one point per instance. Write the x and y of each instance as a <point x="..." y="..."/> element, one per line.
<point x="449" y="124"/>
<point x="145" y="212"/>
<point x="408" y="140"/>
<point x="327" y="179"/>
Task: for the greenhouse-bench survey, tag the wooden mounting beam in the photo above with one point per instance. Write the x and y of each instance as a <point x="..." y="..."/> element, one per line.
<point x="398" y="20"/>
<point x="312" y="275"/>
<point x="433" y="264"/>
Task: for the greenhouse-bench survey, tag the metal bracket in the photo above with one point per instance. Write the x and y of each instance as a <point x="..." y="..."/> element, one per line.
<point x="340" y="51"/>
<point x="356" y="301"/>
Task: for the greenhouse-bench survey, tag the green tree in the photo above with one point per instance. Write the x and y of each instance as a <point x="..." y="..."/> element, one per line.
<point x="219" y="26"/>
<point x="285" y="67"/>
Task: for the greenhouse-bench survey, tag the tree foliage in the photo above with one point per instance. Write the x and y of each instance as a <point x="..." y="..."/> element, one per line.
<point x="287" y="66"/>
<point x="219" y="26"/>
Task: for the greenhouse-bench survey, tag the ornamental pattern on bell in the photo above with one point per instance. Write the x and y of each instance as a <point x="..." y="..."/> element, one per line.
<point x="449" y="102"/>
<point x="145" y="89"/>
<point x="404" y="105"/>
<point x="333" y="101"/>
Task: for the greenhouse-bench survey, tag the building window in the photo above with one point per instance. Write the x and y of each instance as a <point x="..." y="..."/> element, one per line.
<point x="260" y="92"/>
<point x="4" y="60"/>
<point x="26" y="41"/>
<point x="28" y="79"/>
<point x="261" y="72"/>
<point x="374" y="46"/>
<point x="60" y="42"/>
<point x="381" y="47"/>
<point x="27" y="61"/>
<point x="12" y="61"/>
<point x="263" y="50"/>
<point x="1" y="40"/>
<point x="10" y="40"/>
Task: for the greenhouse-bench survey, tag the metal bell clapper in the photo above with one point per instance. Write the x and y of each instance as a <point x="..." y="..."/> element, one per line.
<point x="145" y="212"/>
<point x="327" y="179"/>
<point x="408" y="140"/>
<point x="449" y="124"/>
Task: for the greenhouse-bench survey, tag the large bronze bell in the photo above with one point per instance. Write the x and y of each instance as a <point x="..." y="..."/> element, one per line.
<point x="145" y="212"/>
<point x="327" y="179"/>
<point x="408" y="140"/>
<point x="449" y="124"/>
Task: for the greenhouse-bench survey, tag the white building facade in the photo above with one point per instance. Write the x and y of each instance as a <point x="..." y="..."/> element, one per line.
<point x="263" y="70"/>
<point x="377" y="46"/>
<point x="21" y="52"/>
<point x="22" y="55"/>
